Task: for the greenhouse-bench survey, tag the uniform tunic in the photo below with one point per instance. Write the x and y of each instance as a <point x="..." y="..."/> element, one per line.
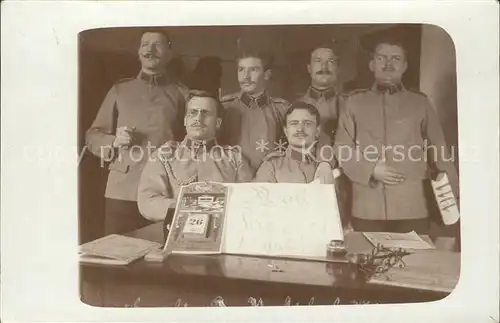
<point x="155" y="107"/>
<point x="256" y="125"/>
<point x="289" y="166"/>
<point x="181" y="163"/>
<point x="326" y="103"/>
<point x="395" y="124"/>
<point x="292" y="166"/>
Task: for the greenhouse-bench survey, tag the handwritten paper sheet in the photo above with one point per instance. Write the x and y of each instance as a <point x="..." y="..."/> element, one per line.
<point x="295" y="220"/>
<point x="410" y="240"/>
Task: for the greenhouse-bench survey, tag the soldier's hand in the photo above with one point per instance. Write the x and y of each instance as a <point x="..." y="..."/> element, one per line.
<point x="123" y="137"/>
<point x="324" y="173"/>
<point x="387" y="175"/>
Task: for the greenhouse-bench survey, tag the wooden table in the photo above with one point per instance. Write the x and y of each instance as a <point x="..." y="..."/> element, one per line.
<point x="197" y="280"/>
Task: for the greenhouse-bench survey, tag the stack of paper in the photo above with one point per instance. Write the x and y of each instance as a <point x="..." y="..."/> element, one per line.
<point x="410" y="240"/>
<point x="115" y="249"/>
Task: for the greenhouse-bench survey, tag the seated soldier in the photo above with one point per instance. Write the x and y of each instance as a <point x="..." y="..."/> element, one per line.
<point x="299" y="162"/>
<point x="302" y="160"/>
<point x="197" y="158"/>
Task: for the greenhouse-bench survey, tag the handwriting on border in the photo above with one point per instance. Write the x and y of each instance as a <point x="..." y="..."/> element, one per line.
<point x="219" y="302"/>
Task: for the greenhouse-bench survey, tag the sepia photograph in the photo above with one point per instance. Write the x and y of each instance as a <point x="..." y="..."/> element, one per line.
<point x="366" y="112"/>
<point x="250" y="161"/>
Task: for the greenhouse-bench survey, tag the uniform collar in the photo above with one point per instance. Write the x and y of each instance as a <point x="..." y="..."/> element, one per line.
<point x="261" y="101"/>
<point x="153" y="79"/>
<point x="316" y="94"/>
<point x="194" y="144"/>
<point x="387" y="88"/>
<point x="299" y="156"/>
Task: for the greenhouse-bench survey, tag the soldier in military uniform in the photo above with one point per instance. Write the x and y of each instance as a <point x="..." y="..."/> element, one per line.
<point x="298" y="163"/>
<point x="322" y="94"/>
<point x="253" y="119"/>
<point x="143" y="111"/>
<point x="381" y="143"/>
<point x="197" y="158"/>
<point x="301" y="161"/>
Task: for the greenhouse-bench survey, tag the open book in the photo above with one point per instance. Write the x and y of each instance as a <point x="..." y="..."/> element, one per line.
<point x="115" y="249"/>
<point x="261" y="219"/>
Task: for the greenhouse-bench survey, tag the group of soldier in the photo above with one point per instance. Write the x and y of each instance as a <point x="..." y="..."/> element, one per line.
<point x="193" y="135"/>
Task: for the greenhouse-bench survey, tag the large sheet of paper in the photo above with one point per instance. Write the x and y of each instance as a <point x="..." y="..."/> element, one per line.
<point x="290" y="220"/>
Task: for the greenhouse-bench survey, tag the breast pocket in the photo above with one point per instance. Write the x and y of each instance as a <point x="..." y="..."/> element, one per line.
<point x="406" y="130"/>
<point x="369" y="127"/>
<point x="369" y="134"/>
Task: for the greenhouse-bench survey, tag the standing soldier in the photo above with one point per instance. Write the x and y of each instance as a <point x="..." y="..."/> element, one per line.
<point x="322" y="94"/>
<point x="253" y="119"/>
<point x="323" y="71"/>
<point x="382" y="140"/>
<point x="144" y="111"/>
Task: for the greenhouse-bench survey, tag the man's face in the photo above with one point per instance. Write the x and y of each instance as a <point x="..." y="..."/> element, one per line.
<point x="201" y="120"/>
<point x="388" y="63"/>
<point x="154" y="51"/>
<point x="323" y="68"/>
<point x="251" y="75"/>
<point x="301" y="128"/>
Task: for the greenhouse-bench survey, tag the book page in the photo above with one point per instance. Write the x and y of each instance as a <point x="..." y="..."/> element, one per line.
<point x="296" y="220"/>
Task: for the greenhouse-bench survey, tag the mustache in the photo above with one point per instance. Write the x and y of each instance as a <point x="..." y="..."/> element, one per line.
<point x="324" y="72"/>
<point x="150" y="55"/>
<point x="197" y="125"/>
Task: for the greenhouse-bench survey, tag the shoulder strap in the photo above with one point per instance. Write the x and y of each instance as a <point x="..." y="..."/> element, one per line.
<point x="229" y="97"/>
<point x="354" y="92"/>
<point x="166" y="156"/>
<point x="413" y="90"/>
<point x="273" y="154"/>
<point x="123" y="80"/>
<point x="279" y="100"/>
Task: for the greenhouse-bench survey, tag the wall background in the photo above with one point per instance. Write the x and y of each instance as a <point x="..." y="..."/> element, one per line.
<point x="438" y="79"/>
